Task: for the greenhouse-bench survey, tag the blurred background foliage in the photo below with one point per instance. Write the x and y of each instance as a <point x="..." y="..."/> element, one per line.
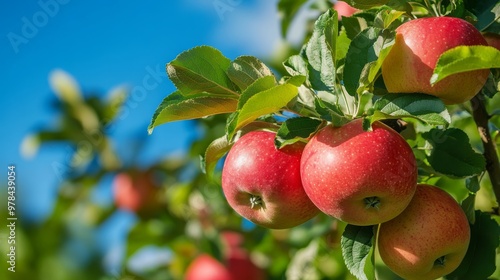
<point x="186" y="216"/>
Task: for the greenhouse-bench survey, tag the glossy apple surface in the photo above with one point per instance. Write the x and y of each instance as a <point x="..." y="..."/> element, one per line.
<point x="429" y="239"/>
<point x="263" y="183"/>
<point x="359" y="177"/>
<point x="419" y="43"/>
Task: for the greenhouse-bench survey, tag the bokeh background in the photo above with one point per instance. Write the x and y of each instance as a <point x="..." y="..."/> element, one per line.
<point x="105" y="47"/>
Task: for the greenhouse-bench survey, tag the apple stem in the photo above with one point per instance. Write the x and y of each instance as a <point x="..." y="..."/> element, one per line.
<point x="372" y="202"/>
<point x="255" y="200"/>
<point x="440" y="261"/>
<point x="481" y="118"/>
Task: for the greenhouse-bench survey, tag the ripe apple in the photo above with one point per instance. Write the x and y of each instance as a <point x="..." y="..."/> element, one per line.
<point x="263" y="184"/>
<point x="429" y="239"/>
<point x="344" y="9"/>
<point x="419" y="43"/>
<point x="492" y="39"/>
<point x="205" y="267"/>
<point x="135" y="191"/>
<point x="359" y="177"/>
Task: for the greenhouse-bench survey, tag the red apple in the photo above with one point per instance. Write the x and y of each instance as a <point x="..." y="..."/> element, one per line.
<point x="135" y="191"/>
<point x="419" y="43"/>
<point x="359" y="177"/>
<point x="344" y="9"/>
<point x="429" y="239"/>
<point x="263" y="184"/>
<point x="241" y="267"/>
<point x="492" y="39"/>
<point x="205" y="267"/>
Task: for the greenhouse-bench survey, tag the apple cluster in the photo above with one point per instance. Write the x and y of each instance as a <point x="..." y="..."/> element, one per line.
<point x="357" y="176"/>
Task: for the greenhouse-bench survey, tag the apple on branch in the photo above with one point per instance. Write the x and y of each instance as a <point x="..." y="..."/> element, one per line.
<point x="419" y="43"/>
<point x="429" y="239"/>
<point x="359" y="177"/>
<point x="263" y="183"/>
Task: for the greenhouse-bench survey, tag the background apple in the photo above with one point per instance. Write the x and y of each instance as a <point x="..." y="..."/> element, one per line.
<point x="344" y="9"/>
<point x="263" y="184"/>
<point x="136" y="191"/>
<point x="205" y="267"/>
<point x="429" y="239"/>
<point x="409" y="65"/>
<point x="359" y="177"/>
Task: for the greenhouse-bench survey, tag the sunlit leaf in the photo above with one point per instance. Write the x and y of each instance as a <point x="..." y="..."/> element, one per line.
<point x="463" y="59"/>
<point x="176" y="107"/>
<point x="201" y="69"/>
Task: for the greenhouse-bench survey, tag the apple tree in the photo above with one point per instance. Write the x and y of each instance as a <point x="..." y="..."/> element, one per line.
<point x="421" y="70"/>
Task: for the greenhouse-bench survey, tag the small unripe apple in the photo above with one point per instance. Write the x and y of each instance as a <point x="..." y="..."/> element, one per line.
<point x="263" y="184"/>
<point x="419" y="43"/>
<point x="359" y="177"/>
<point x="344" y="9"/>
<point x="429" y="239"/>
<point x="135" y="191"/>
<point x="492" y="39"/>
<point x="205" y="267"/>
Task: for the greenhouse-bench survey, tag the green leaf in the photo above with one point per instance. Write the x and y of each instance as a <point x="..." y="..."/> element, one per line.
<point x="465" y="58"/>
<point x="296" y="65"/>
<point x="361" y="52"/>
<point x="357" y="250"/>
<point x="354" y="25"/>
<point x="320" y="52"/>
<point x="287" y="10"/>
<point x="253" y="105"/>
<point x="472" y="184"/>
<point x="479" y="262"/>
<point x="366" y="4"/>
<point x="176" y="107"/>
<point x="469" y="205"/>
<point x="295" y="129"/>
<point x="488" y="15"/>
<point x="426" y="108"/>
<point x="245" y="70"/>
<point x="201" y="69"/>
<point x="342" y="45"/>
<point x="215" y="151"/>
<point x="452" y="154"/>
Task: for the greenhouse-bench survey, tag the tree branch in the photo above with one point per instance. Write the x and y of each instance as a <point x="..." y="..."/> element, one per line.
<point x="481" y="118"/>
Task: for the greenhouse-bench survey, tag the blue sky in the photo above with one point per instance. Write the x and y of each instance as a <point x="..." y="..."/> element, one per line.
<point x="104" y="45"/>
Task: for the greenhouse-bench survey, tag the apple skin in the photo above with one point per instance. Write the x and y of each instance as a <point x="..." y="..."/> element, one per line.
<point x="409" y="65"/>
<point x="135" y="191"/>
<point x="492" y="39"/>
<point x="344" y="9"/>
<point x="205" y="267"/>
<point x="255" y="169"/>
<point x="344" y="166"/>
<point x="432" y="226"/>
